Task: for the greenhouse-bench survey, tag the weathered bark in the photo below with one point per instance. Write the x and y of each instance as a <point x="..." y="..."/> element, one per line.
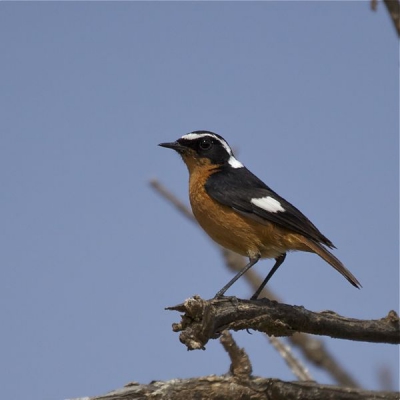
<point x="206" y="319"/>
<point x="229" y="387"/>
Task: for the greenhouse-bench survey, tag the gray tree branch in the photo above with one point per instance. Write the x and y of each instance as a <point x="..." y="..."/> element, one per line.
<point x="230" y="387"/>
<point x="206" y="319"/>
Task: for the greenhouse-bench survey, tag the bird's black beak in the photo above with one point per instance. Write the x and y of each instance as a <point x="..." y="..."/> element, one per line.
<point x="174" y="145"/>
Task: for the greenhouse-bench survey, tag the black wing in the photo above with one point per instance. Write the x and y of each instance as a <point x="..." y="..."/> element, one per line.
<point x="236" y="188"/>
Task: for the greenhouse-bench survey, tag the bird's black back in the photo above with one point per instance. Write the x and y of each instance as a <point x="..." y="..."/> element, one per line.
<point x="236" y="188"/>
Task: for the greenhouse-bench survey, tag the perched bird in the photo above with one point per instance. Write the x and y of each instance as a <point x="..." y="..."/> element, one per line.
<point x="241" y="213"/>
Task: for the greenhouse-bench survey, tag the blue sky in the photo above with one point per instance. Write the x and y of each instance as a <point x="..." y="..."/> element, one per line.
<point x="307" y="94"/>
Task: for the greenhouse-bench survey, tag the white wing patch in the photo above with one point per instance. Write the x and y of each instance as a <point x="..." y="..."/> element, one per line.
<point x="269" y="204"/>
<point x="233" y="162"/>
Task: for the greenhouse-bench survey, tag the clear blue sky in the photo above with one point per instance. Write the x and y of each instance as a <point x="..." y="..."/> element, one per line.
<point x="307" y="92"/>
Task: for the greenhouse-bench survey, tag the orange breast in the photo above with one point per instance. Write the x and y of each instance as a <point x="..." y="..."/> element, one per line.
<point x="232" y="230"/>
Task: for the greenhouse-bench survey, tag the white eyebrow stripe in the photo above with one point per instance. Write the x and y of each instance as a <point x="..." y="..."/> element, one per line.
<point x="193" y="136"/>
<point x="269" y="204"/>
<point x="233" y="162"/>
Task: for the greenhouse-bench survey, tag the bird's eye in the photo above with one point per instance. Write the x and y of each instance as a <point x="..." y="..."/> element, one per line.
<point x="205" y="144"/>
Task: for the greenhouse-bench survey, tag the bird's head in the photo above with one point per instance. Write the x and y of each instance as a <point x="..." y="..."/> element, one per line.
<point x="204" y="148"/>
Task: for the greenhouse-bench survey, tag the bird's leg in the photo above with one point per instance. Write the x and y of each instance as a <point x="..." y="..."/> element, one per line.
<point x="278" y="262"/>
<point x="252" y="261"/>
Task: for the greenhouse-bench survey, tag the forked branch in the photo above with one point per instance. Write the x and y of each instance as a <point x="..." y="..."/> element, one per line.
<point x="238" y="384"/>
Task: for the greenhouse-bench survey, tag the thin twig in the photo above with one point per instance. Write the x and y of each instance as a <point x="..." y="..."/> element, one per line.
<point x="393" y="7"/>
<point x="293" y="363"/>
<point x="164" y="192"/>
<point x="240" y="361"/>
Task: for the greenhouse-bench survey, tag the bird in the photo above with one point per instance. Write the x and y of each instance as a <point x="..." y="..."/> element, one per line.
<point x="241" y="213"/>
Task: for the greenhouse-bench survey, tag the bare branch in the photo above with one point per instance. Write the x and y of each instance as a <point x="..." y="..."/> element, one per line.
<point x="316" y="351"/>
<point x="386" y="378"/>
<point x="240" y="361"/>
<point x="206" y="319"/>
<point x="228" y="387"/>
<point x="393" y="7"/>
<point x="293" y="363"/>
<point x="164" y="192"/>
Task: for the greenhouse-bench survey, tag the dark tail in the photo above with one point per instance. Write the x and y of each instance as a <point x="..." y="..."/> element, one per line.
<point x="330" y="259"/>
